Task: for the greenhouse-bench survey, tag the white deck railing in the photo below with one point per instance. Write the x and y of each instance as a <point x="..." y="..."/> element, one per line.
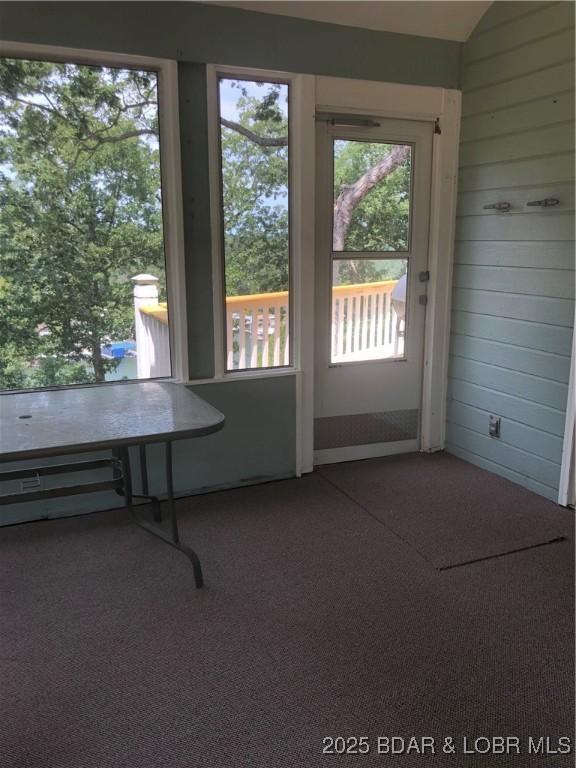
<point x="257" y="331"/>
<point x="365" y="326"/>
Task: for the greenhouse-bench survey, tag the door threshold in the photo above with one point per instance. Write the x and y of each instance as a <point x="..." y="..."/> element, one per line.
<point x="358" y="452"/>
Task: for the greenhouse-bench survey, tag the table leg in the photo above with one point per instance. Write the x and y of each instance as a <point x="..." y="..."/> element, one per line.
<point x="190" y="554"/>
<point x="156" y="506"/>
<point x="170" y="489"/>
<point x="125" y="459"/>
<point x="174" y="538"/>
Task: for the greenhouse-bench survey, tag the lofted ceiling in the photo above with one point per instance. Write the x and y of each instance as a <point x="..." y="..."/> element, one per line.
<point x="445" y="19"/>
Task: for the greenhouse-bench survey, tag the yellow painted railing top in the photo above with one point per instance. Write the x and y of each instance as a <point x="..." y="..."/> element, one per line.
<point x="160" y="310"/>
<point x="250" y="297"/>
<point x="361" y="286"/>
<point x="279" y="295"/>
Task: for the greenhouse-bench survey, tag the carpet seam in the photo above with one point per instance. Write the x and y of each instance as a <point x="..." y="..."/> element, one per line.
<point x="437" y="568"/>
<point x="376" y="519"/>
<point x="555" y="540"/>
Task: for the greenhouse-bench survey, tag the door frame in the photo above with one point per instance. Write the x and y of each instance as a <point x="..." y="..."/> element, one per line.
<point x="405" y="102"/>
<point x="402" y="374"/>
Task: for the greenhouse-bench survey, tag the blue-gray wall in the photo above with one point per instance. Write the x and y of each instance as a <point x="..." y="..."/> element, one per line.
<point x="202" y="33"/>
<point x="258" y="442"/>
<point x="513" y="299"/>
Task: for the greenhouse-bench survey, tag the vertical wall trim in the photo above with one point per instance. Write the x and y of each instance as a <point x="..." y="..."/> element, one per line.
<point x="171" y="171"/>
<point x="215" y="219"/>
<point x="567" y="469"/>
<point x="443" y="201"/>
<point x="303" y="239"/>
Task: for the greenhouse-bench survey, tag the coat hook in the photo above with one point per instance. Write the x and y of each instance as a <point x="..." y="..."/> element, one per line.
<point x="503" y="207"/>
<point x="546" y="203"/>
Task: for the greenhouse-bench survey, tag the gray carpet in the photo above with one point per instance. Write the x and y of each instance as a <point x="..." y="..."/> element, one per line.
<point x="317" y="620"/>
<point x="451" y="512"/>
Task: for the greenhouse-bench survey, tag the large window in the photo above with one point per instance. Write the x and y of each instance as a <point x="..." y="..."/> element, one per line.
<point x="82" y="268"/>
<point x="255" y="199"/>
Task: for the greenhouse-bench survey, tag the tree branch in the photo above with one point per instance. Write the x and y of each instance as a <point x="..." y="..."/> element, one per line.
<point x="262" y="141"/>
<point x="115" y="120"/>
<point x="98" y="138"/>
<point x="351" y="195"/>
<point x="43" y="107"/>
<point x="119" y="137"/>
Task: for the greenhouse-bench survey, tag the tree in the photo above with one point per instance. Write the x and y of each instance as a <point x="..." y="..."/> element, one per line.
<point x="79" y="212"/>
<point x="372" y="191"/>
<point x="255" y="191"/>
<point x="371" y="207"/>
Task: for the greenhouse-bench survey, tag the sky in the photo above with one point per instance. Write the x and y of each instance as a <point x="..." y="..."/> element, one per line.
<point x="229" y="95"/>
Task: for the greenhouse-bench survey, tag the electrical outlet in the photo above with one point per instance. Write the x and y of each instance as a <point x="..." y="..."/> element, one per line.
<point x="494" y="426"/>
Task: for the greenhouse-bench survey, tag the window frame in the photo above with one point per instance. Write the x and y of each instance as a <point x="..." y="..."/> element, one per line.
<point x="299" y="189"/>
<point x="272" y="80"/>
<point x="385" y="137"/>
<point x="171" y="186"/>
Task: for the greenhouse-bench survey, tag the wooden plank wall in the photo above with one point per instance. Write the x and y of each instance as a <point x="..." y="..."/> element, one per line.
<point x="513" y="298"/>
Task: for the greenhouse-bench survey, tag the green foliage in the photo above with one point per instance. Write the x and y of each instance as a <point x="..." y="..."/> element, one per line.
<point x="381" y="220"/>
<point x="255" y="189"/>
<point x="352" y="271"/>
<point x="12" y="367"/>
<point x="255" y="184"/>
<point x="57" y="371"/>
<point x="80" y="214"/>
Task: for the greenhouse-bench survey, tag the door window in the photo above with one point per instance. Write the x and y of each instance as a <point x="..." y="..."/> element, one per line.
<point x="372" y="183"/>
<point x="368" y="309"/>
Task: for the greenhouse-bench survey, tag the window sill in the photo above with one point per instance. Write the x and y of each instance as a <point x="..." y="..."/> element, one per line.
<point x="270" y="373"/>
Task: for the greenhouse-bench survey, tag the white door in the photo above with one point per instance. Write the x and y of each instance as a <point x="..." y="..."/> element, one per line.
<point x="372" y="215"/>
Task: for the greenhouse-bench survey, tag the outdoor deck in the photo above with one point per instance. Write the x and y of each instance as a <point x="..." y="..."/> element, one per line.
<point x="365" y="326"/>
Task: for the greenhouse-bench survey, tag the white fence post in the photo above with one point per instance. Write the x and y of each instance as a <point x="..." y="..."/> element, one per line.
<point x="145" y="293"/>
